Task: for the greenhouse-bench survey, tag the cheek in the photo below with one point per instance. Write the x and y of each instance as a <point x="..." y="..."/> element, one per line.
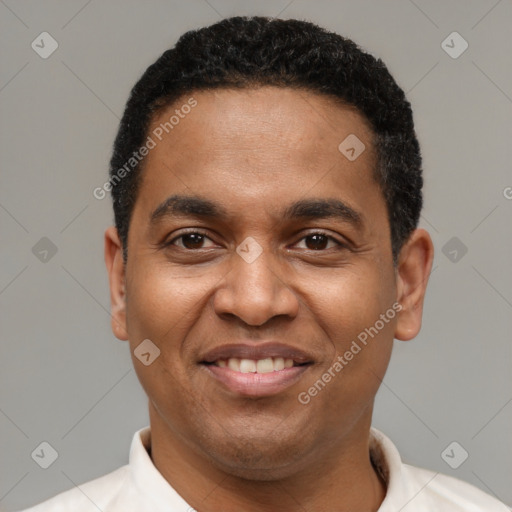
<point x="348" y="300"/>
<point x="160" y="302"/>
<point x="367" y="324"/>
<point x="356" y="313"/>
<point x="163" y="305"/>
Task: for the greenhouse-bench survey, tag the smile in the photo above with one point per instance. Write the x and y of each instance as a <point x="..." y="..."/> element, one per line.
<point x="267" y="365"/>
<point x="256" y="370"/>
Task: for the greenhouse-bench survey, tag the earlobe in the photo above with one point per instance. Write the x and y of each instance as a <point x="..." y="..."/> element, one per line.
<point x="116" y="276"/>
<point x="414" y="267"/>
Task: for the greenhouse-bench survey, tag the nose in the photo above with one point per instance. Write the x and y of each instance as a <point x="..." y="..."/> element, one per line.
<point x="255" y="292"/>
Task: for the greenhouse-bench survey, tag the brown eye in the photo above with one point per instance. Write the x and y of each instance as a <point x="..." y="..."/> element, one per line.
<point x="192" y="240"/>
<point x="319" y="242"/>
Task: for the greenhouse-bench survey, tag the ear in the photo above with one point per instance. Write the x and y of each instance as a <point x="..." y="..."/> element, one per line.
<point x="414" y="266"/>
<point x="116" y="276"/>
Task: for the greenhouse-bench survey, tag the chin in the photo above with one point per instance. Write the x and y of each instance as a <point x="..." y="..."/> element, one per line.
<point x="263" y="468"/>
<point x="260" y="457"/>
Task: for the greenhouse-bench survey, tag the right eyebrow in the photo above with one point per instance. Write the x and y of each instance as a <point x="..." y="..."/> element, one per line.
<point x="181" y="205"/>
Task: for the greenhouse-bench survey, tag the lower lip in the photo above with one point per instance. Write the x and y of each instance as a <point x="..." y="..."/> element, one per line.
<point x="257" y="384"/>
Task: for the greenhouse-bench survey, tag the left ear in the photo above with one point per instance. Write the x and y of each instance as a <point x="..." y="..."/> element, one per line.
<point x="414" y="266"/>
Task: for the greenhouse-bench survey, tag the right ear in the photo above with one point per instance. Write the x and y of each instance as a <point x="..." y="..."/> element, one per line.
<point x="116" y="276"/>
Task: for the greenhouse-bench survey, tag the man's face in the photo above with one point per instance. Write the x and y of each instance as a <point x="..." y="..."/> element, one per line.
<point x="270" y="276"/>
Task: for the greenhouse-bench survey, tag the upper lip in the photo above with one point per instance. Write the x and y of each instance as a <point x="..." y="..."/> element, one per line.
<point x="258" y="350"/>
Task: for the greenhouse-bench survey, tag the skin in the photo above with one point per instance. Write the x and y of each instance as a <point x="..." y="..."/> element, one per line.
<point x="255" y="152"/>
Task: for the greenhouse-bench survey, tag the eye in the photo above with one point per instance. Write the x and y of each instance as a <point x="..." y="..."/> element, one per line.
<point x="194" y="240"/>
<point x="191" y="240"/>
<point x="319" y="241"/>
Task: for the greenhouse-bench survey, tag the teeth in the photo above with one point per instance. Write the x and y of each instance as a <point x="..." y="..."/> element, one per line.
<point x="234" y="364"/>
<point x="279" y="363"/>
<point x="265" y="365"/>
<point x="247" y="366"/>
<point x="268" y="365"/>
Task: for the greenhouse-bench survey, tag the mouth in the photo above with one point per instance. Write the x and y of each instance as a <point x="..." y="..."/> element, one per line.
<point x="256" y="371"/>
<point x="267" y="365"/>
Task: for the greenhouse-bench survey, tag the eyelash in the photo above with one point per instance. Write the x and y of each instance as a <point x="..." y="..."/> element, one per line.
<point x="202" y="233"/>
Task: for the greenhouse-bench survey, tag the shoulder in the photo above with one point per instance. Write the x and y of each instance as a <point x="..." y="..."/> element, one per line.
<point x="443" y="492"/>
<point x="414" y="489"/>
<point x="88" y="497"/>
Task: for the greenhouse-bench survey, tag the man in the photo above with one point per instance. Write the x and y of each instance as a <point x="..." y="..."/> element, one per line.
<point x="266" y="180"/>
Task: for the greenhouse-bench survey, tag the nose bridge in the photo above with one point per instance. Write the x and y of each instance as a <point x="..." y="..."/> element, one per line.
<point x="254" y="289"/>
<point x="254" y="270"/>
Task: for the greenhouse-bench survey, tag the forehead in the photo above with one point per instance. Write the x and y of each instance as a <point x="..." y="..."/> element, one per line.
<point x="252" y="145"/>
<point x="268" y="117"/>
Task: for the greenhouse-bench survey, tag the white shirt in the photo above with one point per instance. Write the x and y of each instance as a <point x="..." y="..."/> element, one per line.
<point x="139" y="487"/>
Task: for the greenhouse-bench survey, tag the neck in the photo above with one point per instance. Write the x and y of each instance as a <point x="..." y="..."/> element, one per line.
<point x="336" y="477"/>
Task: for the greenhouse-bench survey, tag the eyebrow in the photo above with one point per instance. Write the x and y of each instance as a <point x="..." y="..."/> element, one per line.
<point x="181" y="206"/>
<point x="195" y="206"/>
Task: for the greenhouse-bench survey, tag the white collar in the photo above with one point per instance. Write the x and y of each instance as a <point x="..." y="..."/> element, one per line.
<point x="149" y="481"/>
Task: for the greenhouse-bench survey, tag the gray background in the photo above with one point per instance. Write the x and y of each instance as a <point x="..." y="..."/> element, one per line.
<point x="66" y="380"/>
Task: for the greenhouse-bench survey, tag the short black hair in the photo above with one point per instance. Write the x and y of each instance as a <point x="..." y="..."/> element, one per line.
<point x="250" y="52"/>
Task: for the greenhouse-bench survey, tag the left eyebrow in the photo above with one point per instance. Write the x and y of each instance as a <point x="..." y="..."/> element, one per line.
<point x="323" y="209"/>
